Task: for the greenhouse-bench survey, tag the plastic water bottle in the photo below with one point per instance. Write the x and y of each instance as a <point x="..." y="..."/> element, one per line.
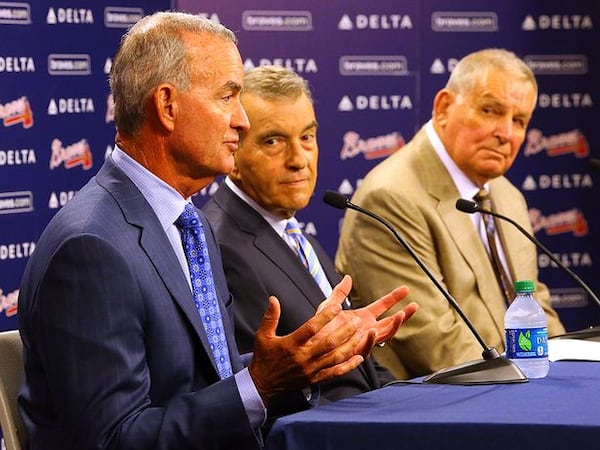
<point x="526" y="329"/>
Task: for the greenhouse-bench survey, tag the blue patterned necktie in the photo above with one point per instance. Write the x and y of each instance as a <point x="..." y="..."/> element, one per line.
<point x="308" y="256"/>
<point x="203" y="286"/>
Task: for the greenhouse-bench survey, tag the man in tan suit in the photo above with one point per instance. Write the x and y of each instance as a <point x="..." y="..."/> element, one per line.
<point x="478" y="124"/>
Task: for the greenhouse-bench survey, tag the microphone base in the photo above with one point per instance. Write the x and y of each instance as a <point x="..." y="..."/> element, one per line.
<point x="587" y="334"/>
<point x="499" y="370"/>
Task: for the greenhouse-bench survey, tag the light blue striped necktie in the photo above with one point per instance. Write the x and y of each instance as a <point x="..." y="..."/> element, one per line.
<point x="308" y="256"/>
<point x="203" y="286"/>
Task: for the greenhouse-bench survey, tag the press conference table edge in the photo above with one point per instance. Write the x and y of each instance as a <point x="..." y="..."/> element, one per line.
<point x="559" y="411"/>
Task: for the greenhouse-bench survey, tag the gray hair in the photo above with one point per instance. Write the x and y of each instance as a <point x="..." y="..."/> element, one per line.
<point x="153" y="52"/>
<point x="273" y="82"/>
<point x="470" y="68"/>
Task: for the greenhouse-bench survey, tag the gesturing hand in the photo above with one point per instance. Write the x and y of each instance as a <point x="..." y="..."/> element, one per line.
<point x="383" y="329"/>
<point x="305" y="356"/>
<point x="330" y="344"/>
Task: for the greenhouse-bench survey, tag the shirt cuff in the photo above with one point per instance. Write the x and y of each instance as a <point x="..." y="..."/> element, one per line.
<point x="253" y="404"/>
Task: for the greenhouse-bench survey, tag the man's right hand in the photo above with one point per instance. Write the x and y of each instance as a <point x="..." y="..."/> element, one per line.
<point x="305" y="356"/>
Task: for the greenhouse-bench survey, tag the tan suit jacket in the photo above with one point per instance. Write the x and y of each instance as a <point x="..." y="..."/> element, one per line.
<point x="414" y="192"/>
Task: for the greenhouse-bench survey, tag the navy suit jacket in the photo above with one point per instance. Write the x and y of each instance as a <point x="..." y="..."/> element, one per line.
<point x="259" y="263"/>
<point x="115" y="354"/>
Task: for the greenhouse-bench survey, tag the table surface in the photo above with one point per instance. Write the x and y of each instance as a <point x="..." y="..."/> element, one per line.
<point x="559" y="411"/>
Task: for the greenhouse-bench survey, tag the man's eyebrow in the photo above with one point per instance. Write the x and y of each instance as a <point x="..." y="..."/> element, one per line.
<point x="313" y="124"/>
<point x="232" y="86"/>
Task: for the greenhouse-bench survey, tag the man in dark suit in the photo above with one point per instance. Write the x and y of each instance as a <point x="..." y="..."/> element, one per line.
<point x="116" y="322"/>
<point x="274" y="177"/>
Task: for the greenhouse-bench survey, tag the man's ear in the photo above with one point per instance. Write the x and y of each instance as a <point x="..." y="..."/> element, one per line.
<point x="165" y="103"/>
<point x="441" y="104"/>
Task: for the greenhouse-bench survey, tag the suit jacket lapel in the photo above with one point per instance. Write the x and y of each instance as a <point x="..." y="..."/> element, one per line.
<point x="277" y="250"/>
<point x="269" y="243"/>
<point x="459" y="225"/>
<point x="154" y="242"/>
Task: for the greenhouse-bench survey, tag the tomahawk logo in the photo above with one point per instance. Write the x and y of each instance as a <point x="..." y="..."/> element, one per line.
<point x="17" y="111"/>
<point x="9" y="302"/>
<point x="558" y="144"/>
<point x="77" y="154"/>
<point x="571" y="221"/>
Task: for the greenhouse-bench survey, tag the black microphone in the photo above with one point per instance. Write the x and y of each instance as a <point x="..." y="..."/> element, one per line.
<point x="493" y="368"/>
<point x="593" y="333"/>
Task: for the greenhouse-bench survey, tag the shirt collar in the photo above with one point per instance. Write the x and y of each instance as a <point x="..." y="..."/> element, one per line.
<point x="275" y="221"/>
<point x="166" y="202"/>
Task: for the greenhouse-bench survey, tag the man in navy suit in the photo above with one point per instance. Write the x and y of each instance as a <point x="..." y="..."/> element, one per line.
<point x="274" y="177"/>
<point x="116" y="355"/>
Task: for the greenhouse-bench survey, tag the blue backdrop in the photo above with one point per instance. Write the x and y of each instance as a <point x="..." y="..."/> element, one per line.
<point x="374" y="68"/>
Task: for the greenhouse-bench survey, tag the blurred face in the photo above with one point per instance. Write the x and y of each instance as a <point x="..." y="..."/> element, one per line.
<point x="210" y="115"/>
<point x="277" y="161"/>
<point x="483" y="130"/>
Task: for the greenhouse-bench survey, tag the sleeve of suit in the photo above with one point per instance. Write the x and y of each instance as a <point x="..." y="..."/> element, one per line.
<point x="89" y="323"/>
<point x="436" y="335"/>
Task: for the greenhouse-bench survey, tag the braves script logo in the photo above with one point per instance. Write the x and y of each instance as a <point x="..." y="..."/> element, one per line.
<point x="571" y="221"/>
<point x="17" y="111"/>
<point x="371" y="148"/>
<point x="558" y="144"/>
<point x="8" y="302"/>
<point x="73" y="155"/>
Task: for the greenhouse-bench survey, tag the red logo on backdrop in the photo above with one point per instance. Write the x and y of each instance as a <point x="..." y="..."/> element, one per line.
<point x="557" y="144"/>
<point x="77" y="154"/>
<point x="8" y="302"/>
<point x="571" y="221"/>
<point x="17" y="111"/>
<point x="371" y="148"/>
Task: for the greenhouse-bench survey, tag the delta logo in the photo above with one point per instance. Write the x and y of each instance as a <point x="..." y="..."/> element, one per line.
<point x="375" y="22"/>
<point x="77" y="154"/>
<point x="69" y="15"/>
<point x="371" y="148"/>
<point x="438" y="67"/>
<point x="60" y="199"/>
<point x="70" y="106"/>
<point x="557" y="22"/>
<point x="298" y="65"/>
<point x="571" y="221"/>
<point x="375" y="103"/>
<point x="15" y="64"/>
<point x="558" y="181"/>
<point x="557" y="145"/>
<point x="15" y="112"/>
<point x="9" y="302"/>
<point x="565" y="100"/>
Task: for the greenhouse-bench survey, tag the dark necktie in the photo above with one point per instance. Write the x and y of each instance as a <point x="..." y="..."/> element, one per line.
<point x="483" y="198"/>
<point x="203" y="286"/>
<point x="308" y="256"/>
